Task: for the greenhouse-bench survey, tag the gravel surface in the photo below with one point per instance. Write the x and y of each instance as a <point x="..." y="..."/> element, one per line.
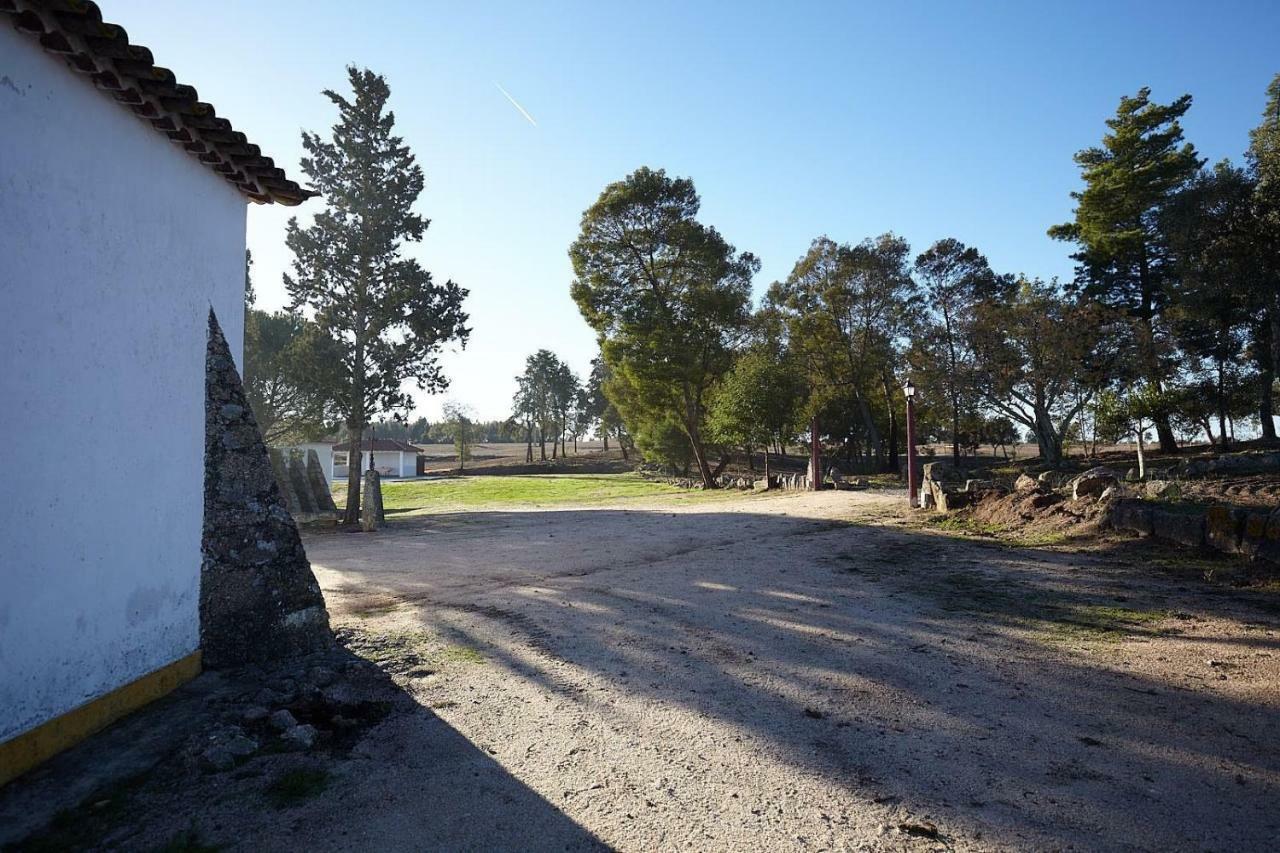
<point x="750" y="672"/>
<point x="809" y="672"/>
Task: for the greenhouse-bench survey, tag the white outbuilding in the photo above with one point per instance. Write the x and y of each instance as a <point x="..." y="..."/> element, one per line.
<point x="391" y="457"/>
<point x="122" y="224"/>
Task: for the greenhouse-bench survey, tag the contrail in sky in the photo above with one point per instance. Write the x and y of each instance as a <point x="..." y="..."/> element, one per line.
<point x="515" y="103"/>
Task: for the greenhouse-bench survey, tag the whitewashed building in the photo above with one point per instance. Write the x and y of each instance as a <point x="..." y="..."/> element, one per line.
<point x="391" y="457"/>
<point x="122" y="223"/>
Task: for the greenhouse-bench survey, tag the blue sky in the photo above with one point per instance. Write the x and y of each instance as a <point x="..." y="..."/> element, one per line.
<point x="794" y="120"/>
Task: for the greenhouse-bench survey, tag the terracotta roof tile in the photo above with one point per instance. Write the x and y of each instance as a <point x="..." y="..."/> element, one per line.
<point x="381" y="444"/>
<point x="101" y="51"/>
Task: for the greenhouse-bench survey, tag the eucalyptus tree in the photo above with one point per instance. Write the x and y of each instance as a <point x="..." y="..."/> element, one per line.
<point x="847" y="310"/>
<point x="384" y="312"/>
<point x="954" y="279"/>
<point x="668" y="297"/>
<point x="1039" y="354"/>
<point x="1123" y="255"/>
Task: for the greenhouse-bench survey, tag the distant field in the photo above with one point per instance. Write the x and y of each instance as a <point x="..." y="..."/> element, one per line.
<point x="425" y="496"/>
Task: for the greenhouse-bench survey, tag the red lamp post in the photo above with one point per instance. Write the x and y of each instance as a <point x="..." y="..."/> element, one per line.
<point x="909" y="391"/>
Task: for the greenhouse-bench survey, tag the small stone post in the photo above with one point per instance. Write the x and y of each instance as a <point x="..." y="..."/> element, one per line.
<point x="371" y="512"/>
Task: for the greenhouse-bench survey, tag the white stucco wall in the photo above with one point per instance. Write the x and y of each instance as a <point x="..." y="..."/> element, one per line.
<point x="390" y="463"/>
<point x="114" y="243"/>
<point x="323" y="450"/>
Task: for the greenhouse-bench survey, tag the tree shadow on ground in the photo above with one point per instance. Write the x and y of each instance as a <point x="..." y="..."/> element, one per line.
<point x="984" y="687"/>
<point x="385" y="774"/>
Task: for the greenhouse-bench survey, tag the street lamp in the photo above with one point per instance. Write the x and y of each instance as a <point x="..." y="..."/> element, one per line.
<point x="909" y="391"/>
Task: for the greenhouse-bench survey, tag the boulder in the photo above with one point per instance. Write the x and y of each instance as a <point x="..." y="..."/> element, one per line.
<point x="300" y="737"/>
<point x="1165" y="490"/>
<point x="1025" y="484"/>
<point x="1224" y="528"/>
<point x="1093" y="482"/>
<point x="1132" y="476"/>
<point x="282" y="720"/>
<point x="1053" y="479"/>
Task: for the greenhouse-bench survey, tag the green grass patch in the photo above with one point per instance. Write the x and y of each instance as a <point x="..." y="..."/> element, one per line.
<point x="297" y="786"/>
<point x="1054" y="615"/>
<point x="483" y="492"/>
<point x="459" y="654"/>
<point x="1098" y="623"/>
<point x="965" y="525"/>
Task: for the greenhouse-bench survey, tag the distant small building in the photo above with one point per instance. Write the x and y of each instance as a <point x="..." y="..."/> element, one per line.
<point x="391" y="457"/>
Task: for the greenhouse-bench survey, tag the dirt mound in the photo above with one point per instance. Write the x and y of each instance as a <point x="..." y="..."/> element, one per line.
<point x="1039" y="514"/>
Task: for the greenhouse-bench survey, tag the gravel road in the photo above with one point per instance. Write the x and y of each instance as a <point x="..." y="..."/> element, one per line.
<point x="793" y="672"/>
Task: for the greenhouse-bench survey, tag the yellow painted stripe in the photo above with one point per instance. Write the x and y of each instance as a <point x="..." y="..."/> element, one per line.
<point x="46" y="740"/>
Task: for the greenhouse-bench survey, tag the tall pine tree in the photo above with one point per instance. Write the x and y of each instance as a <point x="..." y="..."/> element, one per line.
<point x="1123" y="256"/>
<point x="381" y="308"/>
<point x="1264" y="161"/>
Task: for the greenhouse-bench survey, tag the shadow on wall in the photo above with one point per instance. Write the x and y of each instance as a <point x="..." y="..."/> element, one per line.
<point x="892" y="683"/>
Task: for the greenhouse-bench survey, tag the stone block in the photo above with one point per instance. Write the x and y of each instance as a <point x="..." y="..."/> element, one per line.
<point x="1178" y="528"/>
<point x="1132" y="516"/>
<point x="1254" y="532"/>
<point x="1224" y="529"/>
<point x="372" y="514"/>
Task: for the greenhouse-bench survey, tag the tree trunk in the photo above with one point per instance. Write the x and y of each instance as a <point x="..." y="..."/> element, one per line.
<point x="891" y="460"/>
<point x="542" y="444"/>
<point x="955" y="432"/>
<point x="606" y="443"/>
<point x="700" y="458"/>
<point x="1266" y="407"/>
<point x="355" y="432"/>
<point x="1142" y="454"/>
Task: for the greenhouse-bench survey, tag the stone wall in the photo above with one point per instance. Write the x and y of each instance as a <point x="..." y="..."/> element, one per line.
<point x="259" y="600"/>
<point x="1231" y="530"/>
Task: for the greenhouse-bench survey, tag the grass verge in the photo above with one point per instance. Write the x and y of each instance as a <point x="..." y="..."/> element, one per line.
<point x="426" y="496"/>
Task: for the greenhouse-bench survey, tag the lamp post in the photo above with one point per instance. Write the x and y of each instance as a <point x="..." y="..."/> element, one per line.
<point x="909" y="391"/>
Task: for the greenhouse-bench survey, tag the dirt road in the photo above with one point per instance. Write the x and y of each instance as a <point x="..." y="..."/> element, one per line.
<point x="799" y="672"/>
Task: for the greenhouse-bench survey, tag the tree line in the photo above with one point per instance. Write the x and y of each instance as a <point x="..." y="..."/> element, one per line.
<point x="1171" y="321"/>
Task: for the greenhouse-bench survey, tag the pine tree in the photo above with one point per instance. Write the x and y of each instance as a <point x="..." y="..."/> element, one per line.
<point x="1264" y="162"/>
<point x="1123" y="258"/>
<point x="350" y="273"/>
